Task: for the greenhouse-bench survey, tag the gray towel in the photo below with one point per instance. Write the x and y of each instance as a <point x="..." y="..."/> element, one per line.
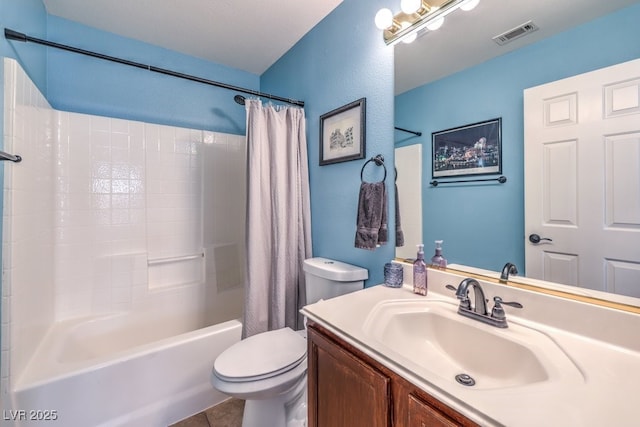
<point x="399" y="233"/>
<point x="372" y="216"/>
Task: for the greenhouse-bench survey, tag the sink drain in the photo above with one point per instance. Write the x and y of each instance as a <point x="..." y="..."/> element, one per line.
<point x="465" y="379"/>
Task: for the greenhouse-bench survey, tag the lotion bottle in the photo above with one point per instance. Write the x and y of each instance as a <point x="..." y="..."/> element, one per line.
<point x="420" y="273"/>
<point x="438" y="260"/>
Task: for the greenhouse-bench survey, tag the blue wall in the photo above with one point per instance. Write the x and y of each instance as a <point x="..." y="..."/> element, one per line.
<point x="341" y="60"/>
<point x="72" y="82"/>
<point x="26" y="16"/>
<point x="483" y="225"/>
<point x="83" y="84"/>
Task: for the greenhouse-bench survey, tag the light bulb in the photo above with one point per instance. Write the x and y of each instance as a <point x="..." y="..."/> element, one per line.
<point x="469" y="4"/>
<point x="384" y="18"/>
<point x="410" y="6"/>
<point x="435" y="24"/>
<point x="410" y="38"/>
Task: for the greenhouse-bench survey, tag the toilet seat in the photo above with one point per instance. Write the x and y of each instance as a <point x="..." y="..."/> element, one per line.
<point x="261" y="356"/>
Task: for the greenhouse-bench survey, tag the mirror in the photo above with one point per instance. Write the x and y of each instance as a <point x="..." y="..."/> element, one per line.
<point x="408" y="162"/>
<point x="445" y="81"/>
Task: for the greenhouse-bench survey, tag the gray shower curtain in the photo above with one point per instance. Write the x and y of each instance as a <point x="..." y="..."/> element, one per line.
<point x="278" y="237"/>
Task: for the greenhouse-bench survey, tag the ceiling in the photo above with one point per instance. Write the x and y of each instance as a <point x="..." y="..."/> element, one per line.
<point x="251" y="34"/>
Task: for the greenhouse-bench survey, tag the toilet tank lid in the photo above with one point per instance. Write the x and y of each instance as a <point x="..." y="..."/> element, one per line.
<point x="335" y="270"/>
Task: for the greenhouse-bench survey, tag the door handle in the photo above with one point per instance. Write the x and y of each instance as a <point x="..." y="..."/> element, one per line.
<point x="534" y="238"/>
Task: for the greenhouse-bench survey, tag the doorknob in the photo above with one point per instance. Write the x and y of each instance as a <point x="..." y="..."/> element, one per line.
<point x="534" y="238"/>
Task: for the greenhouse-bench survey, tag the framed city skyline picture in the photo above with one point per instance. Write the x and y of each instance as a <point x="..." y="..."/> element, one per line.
<point x="474" y="149"/>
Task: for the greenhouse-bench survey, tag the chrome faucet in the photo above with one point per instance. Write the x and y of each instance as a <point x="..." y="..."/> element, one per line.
<point x="480" y="306"/>
<point x="508" y="269"/>
<point x="479" y="311"/>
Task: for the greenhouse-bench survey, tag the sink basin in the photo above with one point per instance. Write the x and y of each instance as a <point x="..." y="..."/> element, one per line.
<point x="432" y="337"/>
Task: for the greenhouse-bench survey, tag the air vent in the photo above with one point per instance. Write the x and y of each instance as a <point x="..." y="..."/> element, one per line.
<point x="515" y="33"/>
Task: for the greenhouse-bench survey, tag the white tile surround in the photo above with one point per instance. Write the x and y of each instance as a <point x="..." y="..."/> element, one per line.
<point x="94" y="202"/>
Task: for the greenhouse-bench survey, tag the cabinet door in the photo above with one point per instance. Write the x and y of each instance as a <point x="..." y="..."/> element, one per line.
<point x="344" y="391"/>
<point x="422" y="414"/>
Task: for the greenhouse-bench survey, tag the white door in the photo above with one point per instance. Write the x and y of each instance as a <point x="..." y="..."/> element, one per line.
<point x="582" y="180"/>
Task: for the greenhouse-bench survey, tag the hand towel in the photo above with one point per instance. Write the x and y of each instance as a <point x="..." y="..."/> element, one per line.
<point x="371" y="222"/>
<point x="399" y="233"/>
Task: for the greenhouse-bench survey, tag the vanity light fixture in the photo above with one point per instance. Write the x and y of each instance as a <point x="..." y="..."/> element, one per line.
<point x="415" y="15"/>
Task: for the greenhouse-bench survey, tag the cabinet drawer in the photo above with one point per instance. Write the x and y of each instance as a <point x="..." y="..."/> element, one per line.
<point x="422" y="414"/>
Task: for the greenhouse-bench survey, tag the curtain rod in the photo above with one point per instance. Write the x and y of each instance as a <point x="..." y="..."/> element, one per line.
<point x="409" y="131"/>
<point x="15" y="35"/>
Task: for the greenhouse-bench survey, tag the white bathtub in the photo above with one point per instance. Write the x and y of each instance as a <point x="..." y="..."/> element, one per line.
<point x="112" y="371"/>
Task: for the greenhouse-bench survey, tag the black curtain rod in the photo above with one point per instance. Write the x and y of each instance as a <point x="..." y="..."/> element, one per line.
<point x="409" y="131"/>
<point x="21" y="37"/>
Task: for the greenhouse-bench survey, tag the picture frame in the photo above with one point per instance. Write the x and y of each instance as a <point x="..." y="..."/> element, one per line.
<point x="342" y="133"/>
<point x="474" y="149"/>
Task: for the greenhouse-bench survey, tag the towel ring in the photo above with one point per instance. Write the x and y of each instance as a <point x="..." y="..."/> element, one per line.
<point x="379" y="160"/>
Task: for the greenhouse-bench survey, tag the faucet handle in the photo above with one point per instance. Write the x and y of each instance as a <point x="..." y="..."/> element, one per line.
<point x="499" y="301"/>
<point x="465" y="302"/>
<point x="498" y="312"/>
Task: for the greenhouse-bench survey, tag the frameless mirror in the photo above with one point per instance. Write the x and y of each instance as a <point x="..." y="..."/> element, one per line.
<point x="443" y="81"/>
<point x="408" y="162"/>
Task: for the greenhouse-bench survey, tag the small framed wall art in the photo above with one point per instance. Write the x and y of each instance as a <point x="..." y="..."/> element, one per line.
<point x="342" y="133"/>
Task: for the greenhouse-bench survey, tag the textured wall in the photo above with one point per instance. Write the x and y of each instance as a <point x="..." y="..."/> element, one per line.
<point x="82" y="84"/>
<point x="341" y="60"/>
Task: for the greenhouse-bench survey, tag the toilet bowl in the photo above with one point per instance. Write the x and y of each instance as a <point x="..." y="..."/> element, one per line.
<point x="269" y="370"/>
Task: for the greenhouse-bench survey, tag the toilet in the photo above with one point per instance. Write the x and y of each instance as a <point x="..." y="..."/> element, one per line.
<point x="269" y="370"/>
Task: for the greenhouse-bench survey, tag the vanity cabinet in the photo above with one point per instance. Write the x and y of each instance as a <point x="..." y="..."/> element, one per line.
<point x="349" y="389"/>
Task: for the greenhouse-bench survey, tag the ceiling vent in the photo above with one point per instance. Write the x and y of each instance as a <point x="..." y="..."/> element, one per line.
<point x="515" y="33"/>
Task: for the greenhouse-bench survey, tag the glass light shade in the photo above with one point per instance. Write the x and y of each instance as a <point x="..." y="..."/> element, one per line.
<point x="469" y="4"/>
<point x="384" y="18"/>
<point x="435" y="24"/>
<point x="410" y="6"/>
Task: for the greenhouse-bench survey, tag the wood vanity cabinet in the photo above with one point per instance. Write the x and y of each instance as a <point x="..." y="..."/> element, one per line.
<point x="349" y="389"/>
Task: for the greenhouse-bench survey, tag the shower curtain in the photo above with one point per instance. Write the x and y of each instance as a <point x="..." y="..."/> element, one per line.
<point x="278" y="216"/>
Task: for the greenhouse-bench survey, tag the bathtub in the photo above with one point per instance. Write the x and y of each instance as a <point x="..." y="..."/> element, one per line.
<point x="118" y="371"/>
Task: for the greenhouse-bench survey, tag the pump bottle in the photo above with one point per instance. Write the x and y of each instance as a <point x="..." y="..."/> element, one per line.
<point x="420" y="273"/>
<point x="438" y="260"/>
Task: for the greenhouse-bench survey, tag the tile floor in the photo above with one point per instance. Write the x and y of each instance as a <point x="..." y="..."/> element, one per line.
<point x="226" y="414"/>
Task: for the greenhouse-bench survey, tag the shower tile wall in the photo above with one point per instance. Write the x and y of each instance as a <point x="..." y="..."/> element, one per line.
<point x="174" y="218"/>
<point x="27" y="254"/>
<point x="105" y="215"/>
<point x="100" y="234"/>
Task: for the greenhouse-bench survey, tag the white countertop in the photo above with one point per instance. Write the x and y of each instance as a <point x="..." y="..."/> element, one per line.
<point x="599" y="389"/>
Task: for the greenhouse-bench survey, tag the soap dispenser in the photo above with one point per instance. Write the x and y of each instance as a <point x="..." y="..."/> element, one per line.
<point x="438" y="260"/>
<point x="420" y="273"/>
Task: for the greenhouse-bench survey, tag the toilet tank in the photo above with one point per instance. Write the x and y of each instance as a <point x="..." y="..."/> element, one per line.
<point x="326" y="278"/>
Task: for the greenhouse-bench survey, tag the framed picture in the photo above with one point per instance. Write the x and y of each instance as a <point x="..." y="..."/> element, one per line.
<point x="342" y="133"/>
<point x="474" y="149"/>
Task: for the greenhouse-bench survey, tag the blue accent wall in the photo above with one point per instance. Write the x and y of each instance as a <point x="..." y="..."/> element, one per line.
<point x="83" y="84"/>
<point x="29" y="17"/>
<point x="483" y="225"/>
<point x="339" y="61"/>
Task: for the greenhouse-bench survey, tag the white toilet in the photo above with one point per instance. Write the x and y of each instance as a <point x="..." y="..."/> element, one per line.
<point x="269" y="370"/>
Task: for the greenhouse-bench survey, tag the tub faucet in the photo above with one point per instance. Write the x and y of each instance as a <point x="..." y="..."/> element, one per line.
<point x="497" y="317"/>
<point x="508" y="269"/>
